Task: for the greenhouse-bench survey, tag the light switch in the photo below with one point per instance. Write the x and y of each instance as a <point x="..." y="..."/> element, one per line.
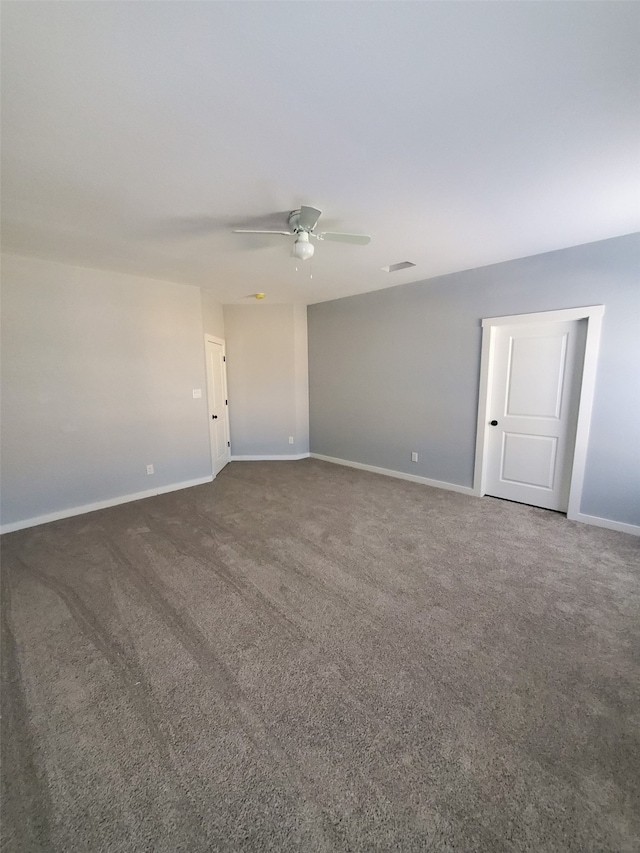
<point x="197" y="393"/>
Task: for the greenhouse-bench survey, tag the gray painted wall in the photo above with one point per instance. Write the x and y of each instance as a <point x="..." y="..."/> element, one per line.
<point x="98" y="370"/>
<point x="398" y="370"/>
<point x="267" y="375"/>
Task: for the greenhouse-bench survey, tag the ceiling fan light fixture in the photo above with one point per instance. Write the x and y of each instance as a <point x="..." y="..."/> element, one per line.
<point x="302" y="248"/>
<point x="302" y="225"/>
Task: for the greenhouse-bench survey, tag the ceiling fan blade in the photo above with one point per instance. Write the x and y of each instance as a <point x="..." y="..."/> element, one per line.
<point x="250" y="231"/>
<point x="337" y="237"/>
<point x="308" y="218"/>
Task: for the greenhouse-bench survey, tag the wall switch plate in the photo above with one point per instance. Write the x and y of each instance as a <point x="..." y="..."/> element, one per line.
<point x="197" y="393"/>
<point x="149" y="469"/>
<point x="290" y="439"/>
<point x="414" y="456"/>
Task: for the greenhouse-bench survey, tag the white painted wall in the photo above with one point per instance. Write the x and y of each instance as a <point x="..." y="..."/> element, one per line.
<point x="98" y="370"/>
<point x="267" y="372"/>
<point x="301" y="377"/>
<point x="212" y="315"/>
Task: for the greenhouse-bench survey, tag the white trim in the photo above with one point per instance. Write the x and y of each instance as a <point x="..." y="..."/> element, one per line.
<point x="593" y="314"/>
<point x="589" y="369"/>
<point x="92" y="507"/>
<point x="596" y="521"/>
<point x="399" y="475"/>
<point x="214" y="340"/>
<point x="266" y="458"/>
<point x="562" y="315"/>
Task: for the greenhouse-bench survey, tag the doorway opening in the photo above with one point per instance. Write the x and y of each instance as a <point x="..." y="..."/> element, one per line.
<point x="218" y="408"/>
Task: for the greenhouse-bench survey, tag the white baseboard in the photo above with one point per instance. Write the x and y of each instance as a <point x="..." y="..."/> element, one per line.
<point x="596" y="521"/>
<point x="400" y="475"/>
<point x="288" y="458"/>
<point x="80" y="510"/>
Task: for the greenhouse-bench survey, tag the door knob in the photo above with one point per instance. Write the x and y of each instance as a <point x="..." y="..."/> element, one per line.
<point x="493" y="423"/>
<point x="214" y="417"/>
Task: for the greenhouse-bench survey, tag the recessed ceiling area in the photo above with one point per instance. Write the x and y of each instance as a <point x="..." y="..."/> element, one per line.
<point x="137" y="136"/>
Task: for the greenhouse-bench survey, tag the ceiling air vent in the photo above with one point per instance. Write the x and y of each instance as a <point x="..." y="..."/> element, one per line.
<point x="403" y="265"/>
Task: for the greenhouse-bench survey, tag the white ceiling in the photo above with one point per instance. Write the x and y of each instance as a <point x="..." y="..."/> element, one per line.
<point x="457" y="134"/>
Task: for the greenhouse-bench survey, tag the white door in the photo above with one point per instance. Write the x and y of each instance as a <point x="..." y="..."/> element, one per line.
<point x="533" y="400"/>
<point x="218" y="409"/>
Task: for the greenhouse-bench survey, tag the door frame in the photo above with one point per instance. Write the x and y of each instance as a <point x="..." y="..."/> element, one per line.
<point x="214" y="340"/>
<point x="593" y="314"/>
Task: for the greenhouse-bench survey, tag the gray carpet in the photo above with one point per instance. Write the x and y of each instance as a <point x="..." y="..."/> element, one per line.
<point x="305" y="657"/>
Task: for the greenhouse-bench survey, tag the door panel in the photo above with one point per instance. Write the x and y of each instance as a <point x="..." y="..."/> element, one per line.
<point x="534" y="391"/>
<point x="536" y="376"/>
<point x="529" y="459"/>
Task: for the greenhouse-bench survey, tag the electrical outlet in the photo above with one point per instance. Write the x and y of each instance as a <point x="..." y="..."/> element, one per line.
<point x="290" y="439"/>
<point x="149" y="469"/>
<point x="414" y="456"/>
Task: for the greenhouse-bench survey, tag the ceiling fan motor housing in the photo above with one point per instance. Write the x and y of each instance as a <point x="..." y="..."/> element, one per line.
<point x="294" y="222"/>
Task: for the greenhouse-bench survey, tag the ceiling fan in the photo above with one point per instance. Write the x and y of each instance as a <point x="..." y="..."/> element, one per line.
<point x="302" y="224"/>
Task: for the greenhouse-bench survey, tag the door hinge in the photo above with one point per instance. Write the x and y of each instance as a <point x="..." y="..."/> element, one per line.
<point x="224" y="358"/>
<point x="228" y="444"/>
<point x="226" y="402"/>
